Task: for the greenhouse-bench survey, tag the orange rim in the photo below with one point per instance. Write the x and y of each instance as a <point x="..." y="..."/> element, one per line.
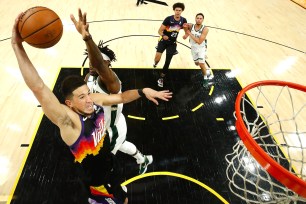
<point x="276" y="170"/>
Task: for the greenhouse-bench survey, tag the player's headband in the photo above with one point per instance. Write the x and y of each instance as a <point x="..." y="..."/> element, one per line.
<point x="105" y="57"/>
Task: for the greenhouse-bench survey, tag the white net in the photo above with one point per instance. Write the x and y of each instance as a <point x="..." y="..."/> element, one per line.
<point x="276" y="121"/>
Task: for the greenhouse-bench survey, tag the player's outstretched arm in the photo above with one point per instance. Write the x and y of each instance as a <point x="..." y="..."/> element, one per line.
<point x="50" y="104"/>
<point x="152" y="95"/>
<point x="131" y="95"/>
<point x="107" y="76"/>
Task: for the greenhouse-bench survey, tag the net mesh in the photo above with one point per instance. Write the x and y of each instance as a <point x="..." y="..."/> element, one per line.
<point x="276" y="121"/>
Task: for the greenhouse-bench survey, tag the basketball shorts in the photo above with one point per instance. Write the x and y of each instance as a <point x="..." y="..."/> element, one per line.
<point x="111" y="192"/>
<point x="167" y="45"/>
<point x="117" y="134"/>
<point x="103" y="200"/>
<point x="198" y="54"/>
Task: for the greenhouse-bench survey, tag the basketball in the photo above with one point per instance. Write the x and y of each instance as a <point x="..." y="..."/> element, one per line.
<point x="40" y="27"/>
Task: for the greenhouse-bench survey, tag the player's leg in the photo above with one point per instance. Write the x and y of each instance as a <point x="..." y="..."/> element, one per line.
<point x="201" y="59"/>
<point x="117" y="133"/>
<point x="143" y="160"/>
<point x="116" y="178"/>
<point x="170" y="50"/>
<point x="204" y="72"/>
<point x="160" y="48"/>
<point x="194" y="55"/>
<point x="198" y="56"/>
<point x="164" y="72"/>
<point x="111" y="190"/>
<point x="157" y="59"/>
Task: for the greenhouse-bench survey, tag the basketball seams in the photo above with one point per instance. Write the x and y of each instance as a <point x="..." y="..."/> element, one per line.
<point x="24" y="21"/>
<point x="42" y="28"/>
<point x="33" y="44"/>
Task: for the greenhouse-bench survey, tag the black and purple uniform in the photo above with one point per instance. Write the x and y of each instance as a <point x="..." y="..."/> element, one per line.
<point x="92" y="151"/>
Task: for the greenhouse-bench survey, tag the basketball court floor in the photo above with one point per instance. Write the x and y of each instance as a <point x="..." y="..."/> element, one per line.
<point x="188" y="137"/>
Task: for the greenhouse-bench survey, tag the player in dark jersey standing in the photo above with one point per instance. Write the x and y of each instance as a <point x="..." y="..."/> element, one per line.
<point x="168" y="32"/>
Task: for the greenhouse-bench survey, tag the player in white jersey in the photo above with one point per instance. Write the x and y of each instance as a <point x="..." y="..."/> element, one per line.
<point x="197" y="38"/>
<point x="101" y="79"/>
<point x="115" y="123"/>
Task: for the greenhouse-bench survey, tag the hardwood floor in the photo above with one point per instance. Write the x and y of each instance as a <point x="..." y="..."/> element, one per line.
<point x="257" y="40"/>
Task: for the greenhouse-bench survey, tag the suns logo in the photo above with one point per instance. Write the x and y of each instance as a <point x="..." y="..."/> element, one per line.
<point x="98" y="133"/>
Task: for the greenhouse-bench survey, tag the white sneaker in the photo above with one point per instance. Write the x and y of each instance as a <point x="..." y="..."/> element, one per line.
<point x="143" y="166"/>
<point x="124" y="188"/>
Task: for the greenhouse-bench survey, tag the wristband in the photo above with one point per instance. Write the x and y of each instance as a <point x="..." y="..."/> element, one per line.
<point x="140" y="92"/>
<point x="87" y="38"/>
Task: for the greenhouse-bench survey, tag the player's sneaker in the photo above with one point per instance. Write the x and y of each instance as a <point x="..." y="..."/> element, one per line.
<point x="176" y="52"/>
<point x="124" y="188"/>
<point x="205" y="82"/>
<point x="148" y="159"/>
<point x="154" y="65"/>
<point x="160" y="82"/>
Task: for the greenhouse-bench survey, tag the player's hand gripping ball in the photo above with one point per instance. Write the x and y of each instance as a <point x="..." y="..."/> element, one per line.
<point x="40" y="27"/>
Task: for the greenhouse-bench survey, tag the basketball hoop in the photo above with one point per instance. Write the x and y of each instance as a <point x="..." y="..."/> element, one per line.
<point x="268" y="164"/>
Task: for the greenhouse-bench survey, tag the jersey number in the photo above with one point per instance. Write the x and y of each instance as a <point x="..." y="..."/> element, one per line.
<point x="173" y="35"/>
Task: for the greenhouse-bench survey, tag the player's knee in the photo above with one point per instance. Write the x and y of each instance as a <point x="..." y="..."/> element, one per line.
<point x="202" y="65"/>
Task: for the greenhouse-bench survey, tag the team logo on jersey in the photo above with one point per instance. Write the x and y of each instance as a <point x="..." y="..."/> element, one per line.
<point x="98" y="134"/>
